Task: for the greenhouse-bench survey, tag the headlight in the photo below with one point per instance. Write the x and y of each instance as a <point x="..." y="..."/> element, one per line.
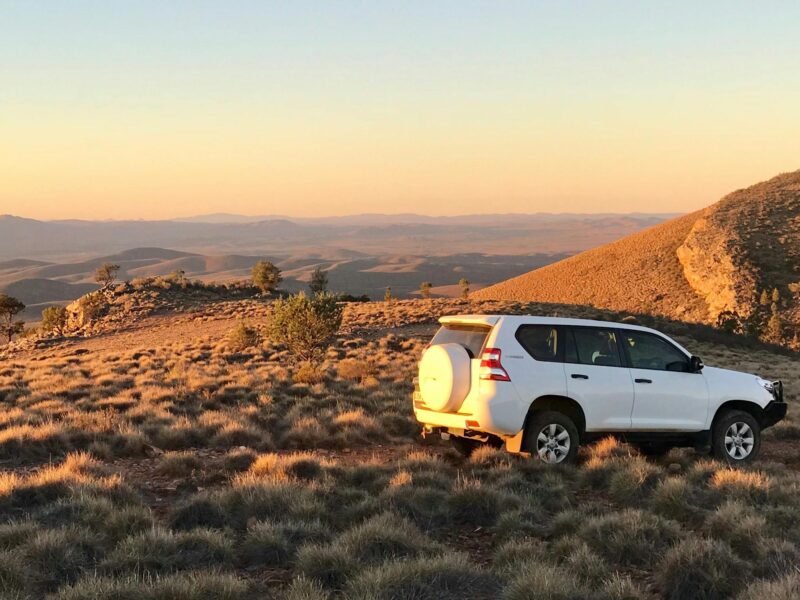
<point x="767" y="385"/>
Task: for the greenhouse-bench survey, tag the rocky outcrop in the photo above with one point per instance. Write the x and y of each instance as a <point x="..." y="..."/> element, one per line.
<point x="714" y="268"/>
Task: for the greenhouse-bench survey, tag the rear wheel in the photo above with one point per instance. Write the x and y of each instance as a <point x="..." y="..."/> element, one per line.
<point x="552" y="437"/>
<point x="736" y="438"/>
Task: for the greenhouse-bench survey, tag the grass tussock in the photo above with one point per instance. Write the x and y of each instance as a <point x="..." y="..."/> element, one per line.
<point x="188" y="468"/>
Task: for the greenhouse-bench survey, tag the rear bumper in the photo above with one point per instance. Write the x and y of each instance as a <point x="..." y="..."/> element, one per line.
<point x="495" y="409"/>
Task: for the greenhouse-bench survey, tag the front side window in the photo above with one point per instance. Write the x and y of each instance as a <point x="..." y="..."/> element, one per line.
<point x="648" y="351"/>
<point x="541" y="342"/>
<point x="594" y="346"/>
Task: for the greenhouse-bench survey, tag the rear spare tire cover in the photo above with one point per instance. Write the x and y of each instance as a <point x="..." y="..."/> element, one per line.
<point x="444" y="376"/>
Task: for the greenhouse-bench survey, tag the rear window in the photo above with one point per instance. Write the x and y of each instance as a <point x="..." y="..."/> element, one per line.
<point x="472" y="337"/>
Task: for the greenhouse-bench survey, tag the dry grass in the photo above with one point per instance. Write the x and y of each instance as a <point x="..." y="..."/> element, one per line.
<point x="185" y="469"/>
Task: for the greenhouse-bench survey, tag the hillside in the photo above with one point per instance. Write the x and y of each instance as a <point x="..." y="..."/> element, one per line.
<point x="693" y="267"/>
<point x="155" y="461"/>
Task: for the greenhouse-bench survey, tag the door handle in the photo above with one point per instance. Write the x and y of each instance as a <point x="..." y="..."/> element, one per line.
<point x="579" y="376"/>
<point x="643" y="380"/>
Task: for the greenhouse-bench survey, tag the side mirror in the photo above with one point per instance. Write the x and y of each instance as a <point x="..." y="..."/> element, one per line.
<point x="696" y="364"/>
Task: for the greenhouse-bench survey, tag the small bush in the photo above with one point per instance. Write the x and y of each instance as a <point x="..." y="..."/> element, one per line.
<point x="537" y="580"/>
<point x="353" y="370"/>
<point x="630" y="537"/>
<point x="382" y="538"/>
<point x="305" y="589"/>
<point x="58" y="556"/>
<point x="701" y="569"/>
<point x="242" y="337"/>
<point x="309" y="373"/>
<point x="306" y="325"/>
<point x="160" y="551"/>
<point x="276" y="544"/>
<point x="330" y="566"/>
<point x="178" y="464"/>
<point x="447" y="577"/>
<point x="54" y="319"/>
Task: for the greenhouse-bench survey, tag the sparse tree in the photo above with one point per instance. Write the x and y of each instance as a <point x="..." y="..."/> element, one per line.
<point x="764" y="299"/>
<point x="266" y="276"/>
<point x="178" y="276"/>
<point x="54" y="319"/>
<point x="730" y="321"/>
<point x="387" y="295"/>
<point x="106" y="274"/>
<point x="306" y="324"/>
<point x="775" y="328"/>
<point x="319" y="281"/>
<point x="776" y="295"/>
<point x="464" y="287"/>
<point x="425" y="289"/>
<point x="10" y="307"/>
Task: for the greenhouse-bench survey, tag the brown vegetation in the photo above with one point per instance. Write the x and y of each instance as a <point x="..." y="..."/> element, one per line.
<point x="167" y="466"/>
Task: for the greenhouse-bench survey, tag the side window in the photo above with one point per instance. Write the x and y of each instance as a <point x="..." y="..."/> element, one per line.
<point x="542" y="342"/>
<point x="648" y="351"/>
<point x="595" y="346"/>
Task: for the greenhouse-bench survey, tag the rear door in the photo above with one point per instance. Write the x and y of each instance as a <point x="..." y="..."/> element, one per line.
<point x="667" y="396"/>
<point x="544" y="374"/>
<point x="597" y="377"/>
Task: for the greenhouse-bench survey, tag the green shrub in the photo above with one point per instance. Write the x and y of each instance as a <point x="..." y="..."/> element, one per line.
<point x="306" y="324"/>
<point x="54" y="319"/>
<point x="266" y="276"/>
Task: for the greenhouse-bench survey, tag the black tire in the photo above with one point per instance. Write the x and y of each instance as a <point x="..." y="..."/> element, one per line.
<point x="552" y="425"/>
<point x="735" y="450"/>
<point x="464" y="446"/>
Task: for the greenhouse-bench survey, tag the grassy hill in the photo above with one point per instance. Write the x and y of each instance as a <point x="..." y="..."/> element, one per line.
<point x="694" y="267"/>
<point x="156" y="461"/>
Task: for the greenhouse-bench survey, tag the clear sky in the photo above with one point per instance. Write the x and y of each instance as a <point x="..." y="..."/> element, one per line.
<point x="155" y="109"/>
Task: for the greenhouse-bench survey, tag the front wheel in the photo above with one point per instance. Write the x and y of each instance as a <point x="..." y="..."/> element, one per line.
<point x="736" y="438"/>
<point x="552" y="437"/>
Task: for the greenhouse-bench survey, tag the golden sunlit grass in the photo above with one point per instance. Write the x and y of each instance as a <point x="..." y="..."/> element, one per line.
<point x="188" y="470"/>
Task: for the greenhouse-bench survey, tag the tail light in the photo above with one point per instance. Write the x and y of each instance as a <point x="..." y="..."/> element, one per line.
<point x="491" y="368"/>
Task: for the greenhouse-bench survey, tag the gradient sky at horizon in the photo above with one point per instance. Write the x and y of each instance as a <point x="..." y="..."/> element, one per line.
<point x="145" y="109"/>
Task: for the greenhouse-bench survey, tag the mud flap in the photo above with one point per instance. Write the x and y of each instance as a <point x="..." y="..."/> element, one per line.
<point x="514" y="444"/>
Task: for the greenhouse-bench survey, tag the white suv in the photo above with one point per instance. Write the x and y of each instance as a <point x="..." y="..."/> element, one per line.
<point x="543" y="385"/>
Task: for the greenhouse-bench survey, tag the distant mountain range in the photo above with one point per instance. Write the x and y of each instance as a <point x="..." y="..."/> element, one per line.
<point x="47" y="262"/>
<point x="368" y="235"/>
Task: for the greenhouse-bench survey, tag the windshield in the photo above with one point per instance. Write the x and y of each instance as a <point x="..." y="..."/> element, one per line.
<point x="472" y="337"/>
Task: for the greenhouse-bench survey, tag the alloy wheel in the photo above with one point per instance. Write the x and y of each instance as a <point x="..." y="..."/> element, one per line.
<point x="553" y="443"/>
<point x="739" y="440"/>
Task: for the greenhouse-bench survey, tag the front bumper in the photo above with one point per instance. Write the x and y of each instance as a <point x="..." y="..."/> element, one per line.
<point x="776" y="410"/>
